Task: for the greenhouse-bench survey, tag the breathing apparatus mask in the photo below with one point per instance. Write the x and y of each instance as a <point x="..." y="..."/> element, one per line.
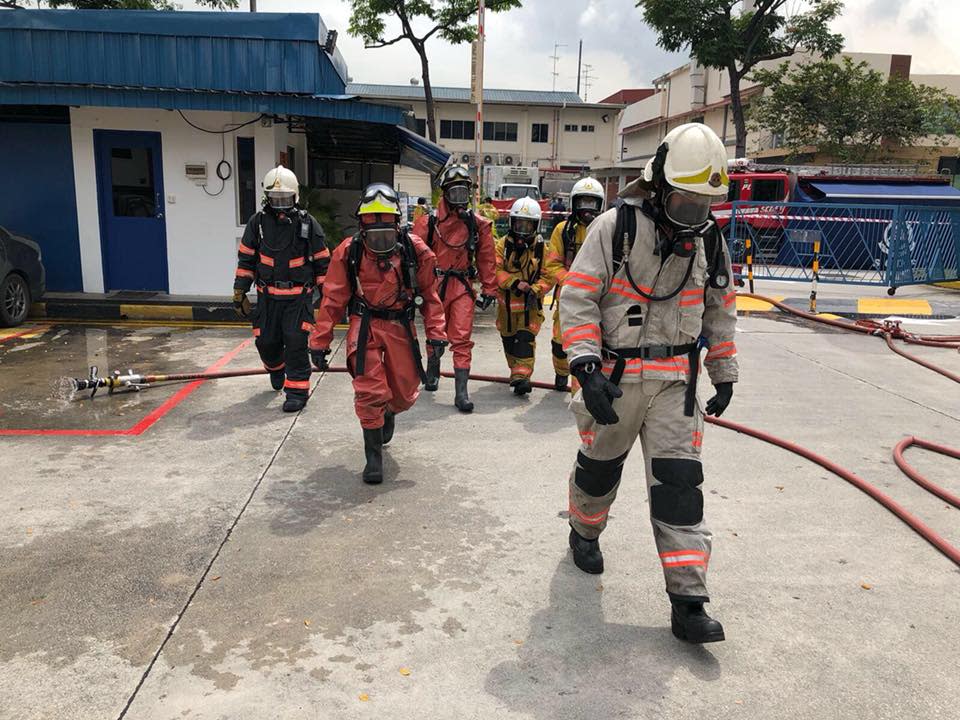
<point x="280" y="200"/>
<point x="379" y="216"/>
<point x="457" y="196"/>
<point x="586" y="208"/>
<point x="683" y="216"/>
<point x="524" y="230"/>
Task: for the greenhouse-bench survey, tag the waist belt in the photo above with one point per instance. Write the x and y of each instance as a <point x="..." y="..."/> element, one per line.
<point x="531" y="301"/>
<point x="658" y="352"/>
<point x="464" y="276"/>
<point x="405" y="315"/>
<point x="282" y="287"/>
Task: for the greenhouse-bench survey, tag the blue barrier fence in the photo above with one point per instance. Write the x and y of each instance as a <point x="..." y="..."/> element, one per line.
<point x="889" y="245"/>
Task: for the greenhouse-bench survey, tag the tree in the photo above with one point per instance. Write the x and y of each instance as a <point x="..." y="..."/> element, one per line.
<point x="718" y="37"/>
<point x="850" y="110"/>
<point x="452" y="20"/>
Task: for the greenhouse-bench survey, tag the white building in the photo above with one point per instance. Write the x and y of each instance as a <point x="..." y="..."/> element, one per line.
<point x="555" y="131"/>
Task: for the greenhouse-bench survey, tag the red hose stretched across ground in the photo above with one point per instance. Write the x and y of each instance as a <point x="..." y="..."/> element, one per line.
<point x="888" y="502"/>
<point x="887" y="331"/>
<point x="919" y="479"/>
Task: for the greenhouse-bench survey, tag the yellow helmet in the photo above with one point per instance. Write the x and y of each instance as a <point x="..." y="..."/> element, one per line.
<point x="379" y="199"/>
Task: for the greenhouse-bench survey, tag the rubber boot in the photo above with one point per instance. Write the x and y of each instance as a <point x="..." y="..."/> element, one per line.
<point x="389" y="423"/>
<point x="586" y="553"/>
<point x="690" y="623"/>
<point x="294" y="403"/>
<point x="560" y="383"/>
<point x="276" y="379"/>
<point x="433" y="374"/>
<point x="461" y="399"/>
<point x="521" y="387"/>
<point x="373" y="449"/>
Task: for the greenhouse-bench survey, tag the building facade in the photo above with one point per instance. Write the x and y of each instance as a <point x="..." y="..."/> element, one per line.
<point x="692" y="93"/>
<point x="137" y="141"/>
<point x="557" y="132"/>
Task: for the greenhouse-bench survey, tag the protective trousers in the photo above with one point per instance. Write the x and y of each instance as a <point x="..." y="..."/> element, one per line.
<point x="518" y="331"/>
<point x="671" y="444"/>
<point x="561" y="366"/>
<point x="458" y="308"/>
<point x="390" y="380"/>
<point x="281" y="329"/>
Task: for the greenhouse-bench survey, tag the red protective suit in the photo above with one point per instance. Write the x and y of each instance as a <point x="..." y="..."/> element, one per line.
<point x="391" y="380"/>
<point x="450" y="237"/>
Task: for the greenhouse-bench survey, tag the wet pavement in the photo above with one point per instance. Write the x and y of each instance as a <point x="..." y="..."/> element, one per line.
<point x="227" y="562"/>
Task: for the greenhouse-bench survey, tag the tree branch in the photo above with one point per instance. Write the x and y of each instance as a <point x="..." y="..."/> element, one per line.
<point x="768" y="56"/>
<point x="384" y="43"/>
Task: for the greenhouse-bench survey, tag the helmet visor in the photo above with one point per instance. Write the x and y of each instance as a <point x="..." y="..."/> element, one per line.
<point x="523" y="227"/>
<point x="587" y="202"/>
<point x="280" y="199"/>
<point x="380" y="240"/>
<point x="383" y="190"/>
<point x="457" y="194"/>
<point x="687" y="209"/>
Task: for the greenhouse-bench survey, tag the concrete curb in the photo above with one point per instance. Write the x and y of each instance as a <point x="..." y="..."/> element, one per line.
<point x="119" y="311"/>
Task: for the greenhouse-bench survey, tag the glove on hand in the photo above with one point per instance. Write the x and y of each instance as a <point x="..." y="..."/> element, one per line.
<point x="598" y="392"/>
<point x="718" y="403"/>
<point x="241" y="303"/>
<point x="436" y="348"/>
<point x="485" y="301"/>
<point x="520" y="287"/>
<point x="319" y="359"/>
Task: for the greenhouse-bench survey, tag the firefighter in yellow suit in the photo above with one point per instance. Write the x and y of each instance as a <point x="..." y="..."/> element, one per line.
<point x="586" y="202"/>
<point x="523" y="280"/>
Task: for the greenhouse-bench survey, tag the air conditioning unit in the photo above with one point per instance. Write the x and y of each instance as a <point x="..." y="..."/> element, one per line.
<point x="466" y="159"/>
<point x="508" y="160"/>
<point x="489" y="160"/>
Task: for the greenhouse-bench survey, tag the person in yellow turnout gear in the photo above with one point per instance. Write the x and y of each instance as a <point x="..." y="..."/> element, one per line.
<point x="586" y="202"/>
<point x="523" y="281"/>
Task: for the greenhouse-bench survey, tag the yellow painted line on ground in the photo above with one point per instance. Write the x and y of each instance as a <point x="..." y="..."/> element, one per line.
<point x="746" y="304"/>
<point x="156" y="323"/>
<point x="157" y="312"/>
<point x="893" y="306"/>
<point x="950" y="285"/>
<point x="21" y="334"/>
<point x="829" y="316"/>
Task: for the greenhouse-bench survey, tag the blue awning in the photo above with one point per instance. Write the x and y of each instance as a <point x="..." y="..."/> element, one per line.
<point x="886" y="191"/>
<point x="420" y="154"/>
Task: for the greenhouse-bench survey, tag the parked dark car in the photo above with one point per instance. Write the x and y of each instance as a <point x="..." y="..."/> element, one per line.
<point x="22" y="277"/>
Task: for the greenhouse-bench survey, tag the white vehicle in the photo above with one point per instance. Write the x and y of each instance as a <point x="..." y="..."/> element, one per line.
<point x="511" y="182"/>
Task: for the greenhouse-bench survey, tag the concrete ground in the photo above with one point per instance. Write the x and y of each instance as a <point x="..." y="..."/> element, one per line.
<point x="227" y="562"/>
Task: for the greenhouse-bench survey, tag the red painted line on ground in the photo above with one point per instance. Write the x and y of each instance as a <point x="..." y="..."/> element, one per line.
<point x="149" y="420"/>
<point x="28" y="331"/>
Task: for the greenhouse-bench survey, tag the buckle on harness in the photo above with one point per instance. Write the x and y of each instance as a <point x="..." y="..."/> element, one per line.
<point x="284" y="284"/>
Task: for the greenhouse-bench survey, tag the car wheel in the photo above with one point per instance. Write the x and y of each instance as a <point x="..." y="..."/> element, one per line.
<point x="14" y="300"/>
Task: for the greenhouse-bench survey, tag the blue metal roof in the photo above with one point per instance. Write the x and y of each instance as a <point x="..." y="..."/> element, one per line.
<point x="490" y="95"/>
<point x="887" y="191"/>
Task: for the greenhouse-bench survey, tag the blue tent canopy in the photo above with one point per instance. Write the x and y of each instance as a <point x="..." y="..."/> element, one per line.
<point x="880" y="192"/>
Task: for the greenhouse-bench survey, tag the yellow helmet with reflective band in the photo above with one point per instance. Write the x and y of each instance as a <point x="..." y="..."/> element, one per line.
<point x="695" y="161"/>
<point x="379" y="199"/>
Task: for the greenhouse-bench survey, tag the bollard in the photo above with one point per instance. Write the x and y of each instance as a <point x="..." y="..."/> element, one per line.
<point x="816" y="276"/>
<point x="748" y="243"/>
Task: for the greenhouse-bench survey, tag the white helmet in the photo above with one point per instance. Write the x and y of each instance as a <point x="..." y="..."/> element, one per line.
<point x="281" y="188"/>
<point x="692" y="161"/>
<point x="586" y="199"/>
<point x="525" y="218"/>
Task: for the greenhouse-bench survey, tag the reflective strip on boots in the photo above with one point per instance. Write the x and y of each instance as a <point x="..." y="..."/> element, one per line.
<point x="461" y="398"/>
<point x="433" y="374"/>
<point x="373" y="449"/>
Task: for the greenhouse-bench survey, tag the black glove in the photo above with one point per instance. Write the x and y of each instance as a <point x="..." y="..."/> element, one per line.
<point x="718" y="403"/>
<point x="598" y="392"/>
<point x="485" y="301"/>
<point x="319" y="359"/>
<point x="241" y="303"/>
<point x="436" y="348"/>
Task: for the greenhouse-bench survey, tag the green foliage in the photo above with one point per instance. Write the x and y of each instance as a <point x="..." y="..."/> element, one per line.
<point x="719" y="36"/>
<point x="850" y="110"/>
<point x="452" y="20"/>
<point x="326" y="212"/>
<point x="134" y="4"/>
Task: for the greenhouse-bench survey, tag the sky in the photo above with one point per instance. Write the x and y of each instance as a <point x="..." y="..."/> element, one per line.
<point x="621" y="49"/>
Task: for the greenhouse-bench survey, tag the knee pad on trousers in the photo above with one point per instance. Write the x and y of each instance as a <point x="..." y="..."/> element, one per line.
<point x="508" y="343"/>
<point x="678" y="499"/>
<point x="598" y="477"/>
<point x="557" y="350"/>
<point x="523" y="344"/>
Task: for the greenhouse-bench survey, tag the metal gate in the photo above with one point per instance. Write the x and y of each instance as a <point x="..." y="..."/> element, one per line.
<point x="887" y="245"/>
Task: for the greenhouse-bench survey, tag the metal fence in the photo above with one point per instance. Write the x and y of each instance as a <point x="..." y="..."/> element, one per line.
<point x="890" y="245"/>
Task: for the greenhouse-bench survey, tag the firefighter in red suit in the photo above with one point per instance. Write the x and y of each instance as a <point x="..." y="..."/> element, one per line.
<point x="463" y="243"/>
<point x="380" y="276"/>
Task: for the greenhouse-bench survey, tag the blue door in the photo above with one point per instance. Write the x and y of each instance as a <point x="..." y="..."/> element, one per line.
<point x="133" y="232"/>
